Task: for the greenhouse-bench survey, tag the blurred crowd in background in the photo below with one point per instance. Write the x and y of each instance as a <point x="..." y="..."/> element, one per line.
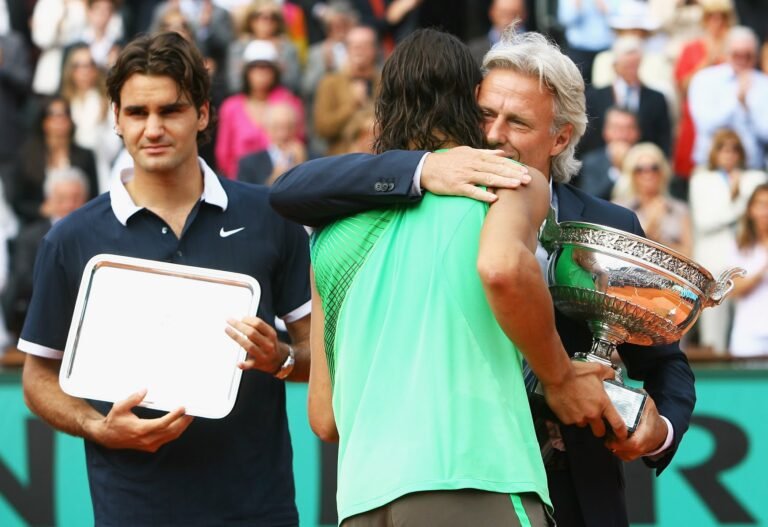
<point x="677" y="98"/>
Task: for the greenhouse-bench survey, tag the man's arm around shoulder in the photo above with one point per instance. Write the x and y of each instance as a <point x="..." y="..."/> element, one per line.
<point x="521" y="303"/>
<point x="323" y="190"/>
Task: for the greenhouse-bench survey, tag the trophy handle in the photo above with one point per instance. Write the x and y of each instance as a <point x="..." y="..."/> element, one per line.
<point x="723" y="286"/>
<point x="549" y="232"/>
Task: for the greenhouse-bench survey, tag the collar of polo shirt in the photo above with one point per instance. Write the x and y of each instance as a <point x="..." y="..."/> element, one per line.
<point x="124" y="207"/>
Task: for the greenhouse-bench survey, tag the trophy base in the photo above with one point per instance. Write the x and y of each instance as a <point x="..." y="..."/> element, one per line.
<point x="629" y="402"/>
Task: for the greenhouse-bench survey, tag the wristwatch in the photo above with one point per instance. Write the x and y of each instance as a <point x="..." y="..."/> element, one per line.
<point x="287" y="366"/>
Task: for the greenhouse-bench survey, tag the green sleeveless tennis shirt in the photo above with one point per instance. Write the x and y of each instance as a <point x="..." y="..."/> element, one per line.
<point x="428" y="391"/>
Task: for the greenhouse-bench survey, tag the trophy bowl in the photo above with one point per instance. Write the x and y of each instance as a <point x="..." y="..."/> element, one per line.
<point x="628" y="289"/>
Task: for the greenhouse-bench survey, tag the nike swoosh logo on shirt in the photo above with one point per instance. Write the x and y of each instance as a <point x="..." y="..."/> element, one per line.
<point x="224" y="233"/>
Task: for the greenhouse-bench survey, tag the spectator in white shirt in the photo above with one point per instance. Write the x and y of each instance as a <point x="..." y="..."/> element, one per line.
<point x="718" y="198"/>
<point x="732" y="95"/>
<point x="750" y="333"/>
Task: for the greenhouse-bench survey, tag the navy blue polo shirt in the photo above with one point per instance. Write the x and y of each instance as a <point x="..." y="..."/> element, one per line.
<point x="231" y="471"/>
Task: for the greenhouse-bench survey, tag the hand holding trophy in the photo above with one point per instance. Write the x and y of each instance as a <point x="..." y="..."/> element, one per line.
<point x="628" y="289"/>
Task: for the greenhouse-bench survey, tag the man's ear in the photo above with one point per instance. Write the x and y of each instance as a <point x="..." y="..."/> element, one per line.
<point x="116" y="111"/>
<point x="562" y="139"/>
<point x="204" y="114"/>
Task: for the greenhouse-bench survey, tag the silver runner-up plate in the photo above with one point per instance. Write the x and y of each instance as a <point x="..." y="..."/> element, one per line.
<point x="144" y="324"/>
<point x="628" y="401"/>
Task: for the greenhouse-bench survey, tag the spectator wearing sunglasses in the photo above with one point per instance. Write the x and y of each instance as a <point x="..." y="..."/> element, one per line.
<point x="264" y="21"/>
<point x="644" y="188"/>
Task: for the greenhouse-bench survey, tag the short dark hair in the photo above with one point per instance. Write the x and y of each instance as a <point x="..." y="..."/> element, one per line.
<point x="623" y="111"/>
<point x="248" y="66"/>
<point x="165" y="54"/>
<point x="427" y="95"/>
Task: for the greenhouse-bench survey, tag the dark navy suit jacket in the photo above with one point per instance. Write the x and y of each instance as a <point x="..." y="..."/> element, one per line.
<point x="255" y="168"/>
<point x="322" y="190"/>
<point x="594" y="177"/>
<point x="652" y="118"/>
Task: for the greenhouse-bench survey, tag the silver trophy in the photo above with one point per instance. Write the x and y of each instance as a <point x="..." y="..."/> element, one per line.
<point x="628" y="289"/>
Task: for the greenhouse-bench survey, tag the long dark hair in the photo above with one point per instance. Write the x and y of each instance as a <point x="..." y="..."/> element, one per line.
<point x="165" y="54"/>
<point x="427" y="95"/>
<point x="44" y="111"/>
<point x="747" y="236"/>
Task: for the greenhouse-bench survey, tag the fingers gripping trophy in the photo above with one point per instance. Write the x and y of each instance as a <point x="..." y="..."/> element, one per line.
<point x="628" y="289"/>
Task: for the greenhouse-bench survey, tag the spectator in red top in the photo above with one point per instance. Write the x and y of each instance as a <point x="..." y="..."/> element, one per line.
<point x="717" y="18"/>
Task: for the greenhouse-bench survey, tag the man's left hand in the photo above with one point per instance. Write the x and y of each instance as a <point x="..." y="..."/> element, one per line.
<point x="458" y="171"/>
<point x="649" y="435"/>
<point x="259" y="340"/>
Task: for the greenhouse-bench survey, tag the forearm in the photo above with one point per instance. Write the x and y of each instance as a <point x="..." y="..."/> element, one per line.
<point x="300" y="371"/>
<point x="513" y="283"/>
<point x="516" y="281"/>
<point x="708" y="112"/>
<point x="710" y="221"/>
<point x="44" y="397"/>
<point x="710" y="217"/>
<point x="320" y="400"/>
<point x="398" y="9"/>
<point x="323" y="190"/>
<point x="676" y="407"/>
<point x="757" y="108"/>
<point x="299" y="332"/>
<point x="745" y="285"/>
<point x="326" y="189"/>
<point x="668" y="379"/>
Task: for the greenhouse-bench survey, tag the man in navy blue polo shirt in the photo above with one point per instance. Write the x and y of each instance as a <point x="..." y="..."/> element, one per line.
<point x="146" y="467"/>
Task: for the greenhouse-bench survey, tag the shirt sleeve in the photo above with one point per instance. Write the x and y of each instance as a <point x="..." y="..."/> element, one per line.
<point x="713" y="101"/>
<point x="757" y="106"/>
<point x="53" y="301"/>
<point x="416" y="185"/>
<point x="667" y="442"/>
<point x="291" y="280"/>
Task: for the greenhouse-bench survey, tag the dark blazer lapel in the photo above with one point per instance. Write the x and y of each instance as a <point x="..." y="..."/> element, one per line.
<point x="569" y="206"/>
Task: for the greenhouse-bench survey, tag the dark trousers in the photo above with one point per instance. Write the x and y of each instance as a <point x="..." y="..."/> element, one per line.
<point x="456" y="508"/>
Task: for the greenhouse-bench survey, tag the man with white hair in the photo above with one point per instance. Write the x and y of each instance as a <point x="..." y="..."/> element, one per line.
<point x="732" y="95"/>
<point x="532" y="98"/>
<point x="64" y="190"/>
<point x="629" y="93"/>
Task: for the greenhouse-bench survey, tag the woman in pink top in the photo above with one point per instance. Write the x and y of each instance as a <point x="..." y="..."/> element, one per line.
<point x="241" y="116"/>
